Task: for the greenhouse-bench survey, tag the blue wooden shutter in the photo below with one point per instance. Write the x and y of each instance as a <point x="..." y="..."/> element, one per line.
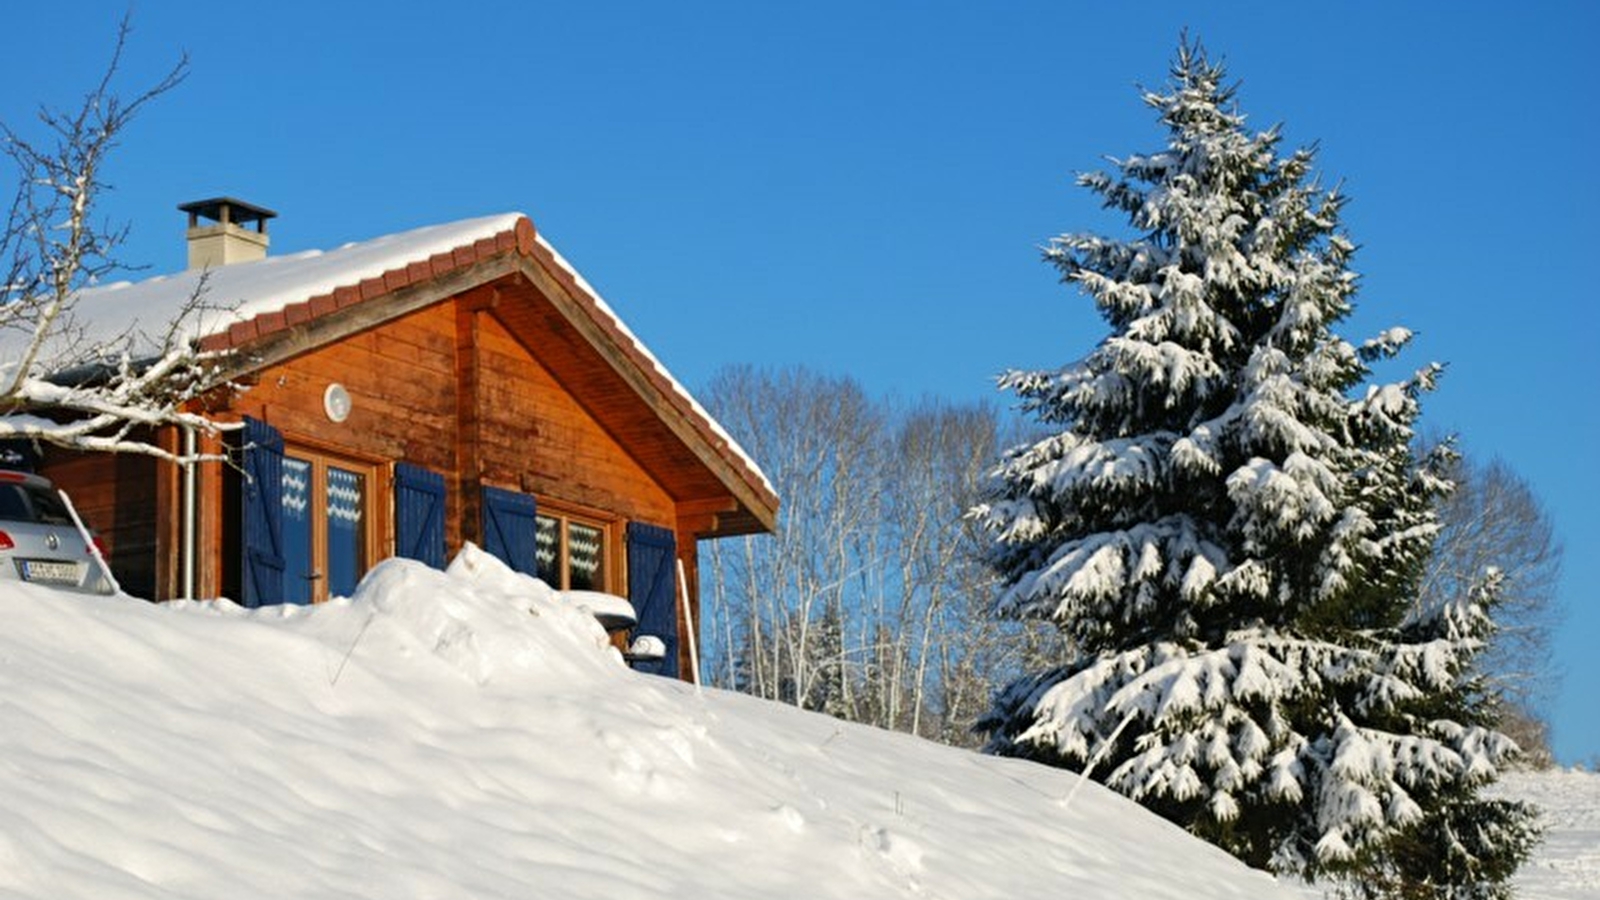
<point x="652" y="565"/>
<point x="419" y="514"/>
<point x="261" y="507"/>
<point x="510" y="530"/>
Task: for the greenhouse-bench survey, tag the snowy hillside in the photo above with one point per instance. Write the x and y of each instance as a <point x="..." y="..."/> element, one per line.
<point x="1567" y="866"/>
<point x="467" y="735"/>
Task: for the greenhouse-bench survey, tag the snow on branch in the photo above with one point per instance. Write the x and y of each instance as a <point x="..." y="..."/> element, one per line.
<point x="56" y="385"/>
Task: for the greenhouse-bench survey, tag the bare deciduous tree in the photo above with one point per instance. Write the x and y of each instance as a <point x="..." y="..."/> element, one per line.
<point x="870" y="602"/>
<point x="1494" y="520"/>
<point x="816" y="436"/>
<point x="60" y="384"/>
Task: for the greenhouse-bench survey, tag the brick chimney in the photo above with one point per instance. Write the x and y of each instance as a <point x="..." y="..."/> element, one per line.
<point x="224" y="238"/>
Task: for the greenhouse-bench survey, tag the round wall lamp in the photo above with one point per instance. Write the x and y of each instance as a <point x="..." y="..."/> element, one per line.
<point x="336" y="402"/>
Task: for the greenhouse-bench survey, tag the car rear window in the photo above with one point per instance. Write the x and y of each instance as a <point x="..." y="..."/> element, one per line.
<point x="47" y="506"/>
<point x="28" y="503"/>
<point x="13" y="505"/>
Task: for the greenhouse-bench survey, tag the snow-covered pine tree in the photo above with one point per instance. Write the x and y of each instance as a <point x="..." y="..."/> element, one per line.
<point x="1229" y="526"/>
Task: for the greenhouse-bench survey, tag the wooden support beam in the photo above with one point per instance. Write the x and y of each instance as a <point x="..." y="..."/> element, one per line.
<point x="468" y="450"/>
<point x="704" y="518"/>
<point x="688" y="560"/>
<point x="479" y="299"/>
<point x="699" y="526"/>
<point x="169" y="518"/>
<point x="709" y="505"/>
<point x="212" y="531"/>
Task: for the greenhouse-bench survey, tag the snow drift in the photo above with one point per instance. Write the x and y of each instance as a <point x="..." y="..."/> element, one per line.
<point x="469" y="734"/>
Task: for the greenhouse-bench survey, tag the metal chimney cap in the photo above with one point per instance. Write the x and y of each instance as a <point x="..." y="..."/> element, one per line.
<point x="228" y="210"/>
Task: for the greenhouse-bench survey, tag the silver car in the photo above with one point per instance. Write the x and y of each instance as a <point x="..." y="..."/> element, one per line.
<point x="39" y="542"/>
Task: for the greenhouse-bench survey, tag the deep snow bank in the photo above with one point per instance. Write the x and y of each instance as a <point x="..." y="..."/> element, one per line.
<point x="468" y="734"/>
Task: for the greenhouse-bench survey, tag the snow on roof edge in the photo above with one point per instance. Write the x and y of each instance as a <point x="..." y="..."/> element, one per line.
<point x="244" y="291"/>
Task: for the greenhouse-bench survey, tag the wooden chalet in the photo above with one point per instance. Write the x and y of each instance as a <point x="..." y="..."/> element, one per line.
<point x="403" y="396"/>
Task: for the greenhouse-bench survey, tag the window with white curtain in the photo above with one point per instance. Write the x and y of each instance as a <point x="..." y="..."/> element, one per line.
<point x="572" y="552"/>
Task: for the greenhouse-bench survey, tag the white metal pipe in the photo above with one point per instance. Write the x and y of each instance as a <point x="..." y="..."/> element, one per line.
<point x="189" y="513"/>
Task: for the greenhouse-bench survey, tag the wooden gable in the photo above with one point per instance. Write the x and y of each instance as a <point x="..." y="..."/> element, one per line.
<point x="520" y="285"/>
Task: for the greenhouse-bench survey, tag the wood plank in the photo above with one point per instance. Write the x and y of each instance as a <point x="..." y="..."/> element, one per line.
<point x="168" y="530"/>
<point x="404" y="406"/>
<point x="535" y="434"/>
<point x="467" y="483"/>
<point x="213" y="568"/>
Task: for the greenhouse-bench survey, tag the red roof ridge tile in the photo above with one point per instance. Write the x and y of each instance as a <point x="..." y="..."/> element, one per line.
<point x="434" y="266"/>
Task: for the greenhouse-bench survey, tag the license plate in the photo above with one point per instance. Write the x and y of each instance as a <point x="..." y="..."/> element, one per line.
<point x="47" y="571"/>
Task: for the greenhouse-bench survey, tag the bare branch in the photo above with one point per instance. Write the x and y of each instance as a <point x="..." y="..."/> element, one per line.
<point x="56" y="385"/>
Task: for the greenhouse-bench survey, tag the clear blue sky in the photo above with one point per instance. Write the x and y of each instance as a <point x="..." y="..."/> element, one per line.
<point x="862" y="187"/>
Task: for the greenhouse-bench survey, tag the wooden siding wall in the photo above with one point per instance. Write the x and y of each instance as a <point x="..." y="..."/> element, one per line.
<point x="451" y="389"/>
<point x="116" y="496"/>
<point x="534" y="437"/>
<point x="401" y="377"/>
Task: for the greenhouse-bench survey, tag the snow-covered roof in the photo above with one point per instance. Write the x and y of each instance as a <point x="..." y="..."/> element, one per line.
<point x="242" y="292"/>
<point x="246" y="301"/>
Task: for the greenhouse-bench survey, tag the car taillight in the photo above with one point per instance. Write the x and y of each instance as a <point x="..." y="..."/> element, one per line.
<point x="101" y="546"/>
<point x="6" y="543"/>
